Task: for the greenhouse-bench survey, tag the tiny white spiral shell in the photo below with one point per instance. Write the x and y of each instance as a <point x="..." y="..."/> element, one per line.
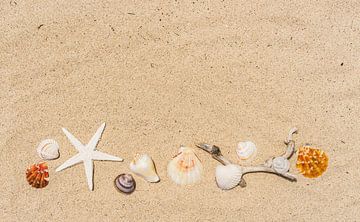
<point x="281" y="164"/>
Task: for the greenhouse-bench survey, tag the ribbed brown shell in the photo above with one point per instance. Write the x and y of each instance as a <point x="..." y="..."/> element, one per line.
<point x="311" y="162"/>
<point x="38" y="175"/>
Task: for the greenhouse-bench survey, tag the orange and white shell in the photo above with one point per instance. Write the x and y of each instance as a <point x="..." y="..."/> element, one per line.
<point x="311" y="162"/>
<point x="38" y="175"/>
<point x="185" y="167"/>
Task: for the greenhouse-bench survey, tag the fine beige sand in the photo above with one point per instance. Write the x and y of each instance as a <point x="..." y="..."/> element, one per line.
<point x="166" y="73"/>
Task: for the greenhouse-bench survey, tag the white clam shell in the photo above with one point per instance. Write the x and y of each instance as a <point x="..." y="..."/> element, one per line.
<point x="48" y="149"/>
<point x="281" y="164"/>
<point x="143" y="166"/>
<point x="246" y="150"/>
<point x="185" y="168"/>
<point x="228" y="177"/>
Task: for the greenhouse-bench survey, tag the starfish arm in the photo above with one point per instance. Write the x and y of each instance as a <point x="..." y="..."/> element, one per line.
<point x="95" y="139"/>
<point x="75" y="142"/>
<point x="70" y="162"/>
<point x="97" y="155"/>
<point x="89" y="171"/>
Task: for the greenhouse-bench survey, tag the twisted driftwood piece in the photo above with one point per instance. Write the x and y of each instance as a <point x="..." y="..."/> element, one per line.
<point x="268" y="167"/>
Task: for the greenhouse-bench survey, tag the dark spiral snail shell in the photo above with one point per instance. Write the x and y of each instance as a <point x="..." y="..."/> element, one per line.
<point x="125" y="183"/>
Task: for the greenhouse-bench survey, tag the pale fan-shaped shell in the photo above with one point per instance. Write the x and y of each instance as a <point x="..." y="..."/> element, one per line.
<point x="143" y="165"/>
<point x="311" y="162"/>
<point x="246" y="150"/>
<point x="185" y="167"/>
<point x="228" y="177"/>
<point x="48" y="149"/>
<point x="281" y="164"/>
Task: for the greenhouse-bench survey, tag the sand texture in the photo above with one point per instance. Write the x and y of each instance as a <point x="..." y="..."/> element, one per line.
<point x="166" y="73"/>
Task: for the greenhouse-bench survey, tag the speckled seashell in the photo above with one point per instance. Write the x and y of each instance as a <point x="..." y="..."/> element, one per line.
<point x="246" y="150"/>
<point x="125" y="183"/>
<point x="37" y="175"/>
<point x="281" y="164"/>
<point x="48" y="149"/>
<point x="143" y="165"/>
<point x="228" y="176"/>
<point x="185" y="168"/>
<point x="311" y="162"/>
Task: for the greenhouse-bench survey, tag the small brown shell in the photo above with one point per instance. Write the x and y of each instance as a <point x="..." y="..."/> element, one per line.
<point x="311" y="162"/>
<point x="38" y="175"/>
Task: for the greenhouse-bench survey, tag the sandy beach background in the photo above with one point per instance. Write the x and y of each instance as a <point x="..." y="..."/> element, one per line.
<point x="165" y="73"/>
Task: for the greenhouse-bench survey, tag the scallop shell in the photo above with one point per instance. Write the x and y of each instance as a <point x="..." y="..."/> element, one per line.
<point x="245" y="150"/>
<point x="311" y="162"/>
<point x="185" y="167"/>
<point x="48" y="149"/>
<point x="228" y="177"/>
<point x="281" y="164"/>
<point x="38" y="175"/>
<point x="143" y="166"/>
<point x="125" y="183"/>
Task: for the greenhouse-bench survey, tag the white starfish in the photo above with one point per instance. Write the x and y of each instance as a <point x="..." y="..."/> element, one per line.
<point x="87" y="154"/>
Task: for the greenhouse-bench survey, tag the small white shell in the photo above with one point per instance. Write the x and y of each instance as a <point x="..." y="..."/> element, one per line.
<point x="228" y="177"/>
<point x="245" y="150"/>
<point x="143" y="165"/>
<point x="281" y="164"/>
<point x="48" y="149"/>
<point x="185" y="167"/>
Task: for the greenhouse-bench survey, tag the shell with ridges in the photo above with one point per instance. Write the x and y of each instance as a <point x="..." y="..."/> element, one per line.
<point x="37" y="175"/>
<point x="228" y="176"/>
<point x="245" y="150"/>
<point x="48" y="149"/>
<point x="311" y="162"/>
<point x="125" y="183"/>
<point x="144" y="166"/>
<point x="185" y="167"/>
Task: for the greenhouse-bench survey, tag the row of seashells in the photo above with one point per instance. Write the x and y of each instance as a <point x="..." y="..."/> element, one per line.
<point x="185" y="167"/>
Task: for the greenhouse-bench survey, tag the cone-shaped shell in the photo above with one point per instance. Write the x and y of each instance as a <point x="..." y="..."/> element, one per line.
<point x="311" y="162"/>
<point x="143" y="166"/>
<point x="246" y="150"/>
<point x="37" y="175"/>
<point x="48" y="149"/>
<point x="185" y="167"/>
<point x="228" y="177"/>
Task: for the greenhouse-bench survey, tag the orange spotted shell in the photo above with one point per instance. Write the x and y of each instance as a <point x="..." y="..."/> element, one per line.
<point x="38" y="175"/>
<point x="311" y="162"/>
